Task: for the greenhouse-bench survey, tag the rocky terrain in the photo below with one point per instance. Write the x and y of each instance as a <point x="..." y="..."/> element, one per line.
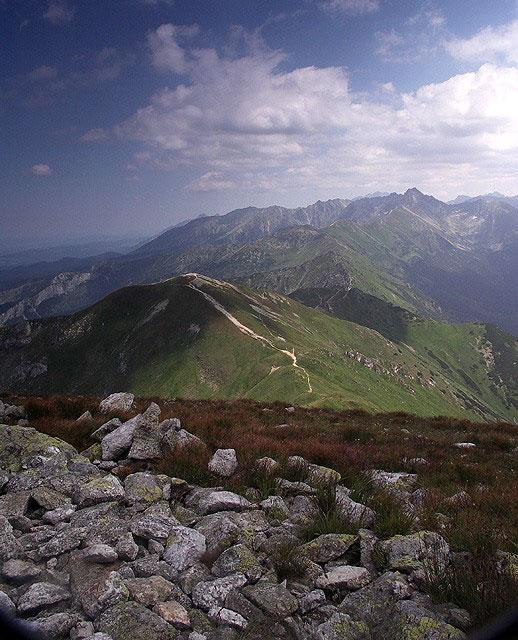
<point x="100" y="544"/>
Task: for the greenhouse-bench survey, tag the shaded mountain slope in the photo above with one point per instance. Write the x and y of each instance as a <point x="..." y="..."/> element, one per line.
<point x="199" y="337"/>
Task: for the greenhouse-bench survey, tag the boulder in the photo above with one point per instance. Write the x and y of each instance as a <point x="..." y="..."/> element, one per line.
<point x="117" y="443"/>
<point x="41" y="595"/>
<point x="341" y="627"/>
<point x="100" y="554"/>
<point x="207" y="595"/>
<point x="408" y="553"/>
<point x="237" y="559"/>
<point x="66" y="540"/>
<point x="149" y="591"/>
<point x="184" y="547"/>
<point x="103" y="489"/>
<point x="173" y="613"/>
<point x="55" y="626"/>
<point x="344" y="577"/>
<point x="217" y="501"/>
<point x="117" y="402"/>
<point x="142" y="487"/>
<point x="223" y="462"/>
<point x="328" y="547"/>
<point x="20" y="571"/>
<point x="273" y="599"/>
<point x="132" y="621"/>
<point x="105" y="429"/>
<point x="8" y="543"/>
<point x="154" y="523"/>
<point x="223" y="616"/>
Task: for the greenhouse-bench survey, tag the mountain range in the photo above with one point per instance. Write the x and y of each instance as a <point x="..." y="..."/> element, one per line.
<point x="396" y="268"/>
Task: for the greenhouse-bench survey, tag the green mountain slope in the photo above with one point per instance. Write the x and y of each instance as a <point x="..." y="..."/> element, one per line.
<point x="200" y="337"/>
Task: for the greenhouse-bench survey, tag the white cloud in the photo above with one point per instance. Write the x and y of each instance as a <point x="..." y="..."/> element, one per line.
<point x="41" y="170"/>
<point x="492" y="44"/>
<point x="247" y="123"/>
<point x="59" y="12"/>
<point x="94" y="135"/>
<point x="352" y="7"/>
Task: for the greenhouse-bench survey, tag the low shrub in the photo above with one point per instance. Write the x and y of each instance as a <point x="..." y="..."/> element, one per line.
<point x="391" y="516"/>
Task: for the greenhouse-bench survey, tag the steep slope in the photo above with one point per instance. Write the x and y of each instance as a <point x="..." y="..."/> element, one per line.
<point x="200" y="337"/>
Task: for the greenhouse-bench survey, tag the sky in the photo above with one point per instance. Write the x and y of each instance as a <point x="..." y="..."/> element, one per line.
<point x="122" y="118"/>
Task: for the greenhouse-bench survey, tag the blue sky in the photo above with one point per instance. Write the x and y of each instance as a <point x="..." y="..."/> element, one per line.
<point x="124" y="117"/>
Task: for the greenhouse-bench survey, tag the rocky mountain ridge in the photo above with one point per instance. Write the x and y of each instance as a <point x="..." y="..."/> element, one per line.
<point x="95" y="549"/>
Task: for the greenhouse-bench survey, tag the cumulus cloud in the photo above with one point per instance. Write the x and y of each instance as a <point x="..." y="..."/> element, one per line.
<point x="41" y="170"/>
<point x="352" y="7"/>
<point x="492" y="44"/>
<point x="245" y="122"/>
<point x="59" y="12"/>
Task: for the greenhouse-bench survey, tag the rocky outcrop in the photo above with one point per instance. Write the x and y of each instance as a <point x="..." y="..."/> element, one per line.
<point x="85" y="553"/>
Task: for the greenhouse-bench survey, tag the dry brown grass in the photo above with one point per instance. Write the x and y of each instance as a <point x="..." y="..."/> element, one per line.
<point x="349" y="441"/>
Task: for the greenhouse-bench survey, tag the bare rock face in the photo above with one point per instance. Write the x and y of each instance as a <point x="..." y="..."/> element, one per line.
<point x="117" y="402"/>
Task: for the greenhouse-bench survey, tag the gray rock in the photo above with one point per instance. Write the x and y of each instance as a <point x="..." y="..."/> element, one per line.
<point x="147" y="437"/>
<point x="312" y="600"/>
<point x="344" y="577"/>
<point x="116" y="444"/>
<point x="149" y="591"/>
<point x="154" y="524"/>
<point x="105" y="429"/>
<point x="153" y="566"/>
<point x="117" y="402"/>
<point x="397" y="481"/>
<point x="83" y="629"/>
<point x="20" y="571"/>
<point x="62" y="514"/>
<point x="224" y="462"/>
<point x="85" y="417"/>
<point x="184" y="440"/>
<point x="237" y="559"/>
<point x="220" y="615"/>
<point x="50" y="499"/>
<point x="328" y="547"/>
<point x="207" y="595"/>
<point x="132" y="621"/>
<point x="341" y="627"/>
<point x="126" y="547"/>
<point x="8" y="543"/>
<point x="407" y="553"/>
<point x="103" y="489"/>
<point x="66" y="540"/>
<point x="184" y="547"/>
<point x="217" y="501"/>
<point x="100" y="553"/>
<point x="410" y="620"/>
<point x="41" y="595"/>
<point x="54" y="626"/>
<point x="6" y="604"/>
<point x="142" y="487"/>
<point x="274" y="599"/>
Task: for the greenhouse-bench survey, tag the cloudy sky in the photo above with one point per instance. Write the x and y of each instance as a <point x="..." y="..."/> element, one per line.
<point x="124" y="117"/>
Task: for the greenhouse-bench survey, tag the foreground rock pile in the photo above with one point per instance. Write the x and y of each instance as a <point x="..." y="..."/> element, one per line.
<point x="89" y="552"/>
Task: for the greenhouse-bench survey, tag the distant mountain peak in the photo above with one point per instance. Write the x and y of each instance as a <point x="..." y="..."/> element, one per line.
<point x="413" y="191"/>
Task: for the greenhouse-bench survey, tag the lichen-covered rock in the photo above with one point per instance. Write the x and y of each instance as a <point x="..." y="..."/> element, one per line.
<point x="328" y="547"/>
<point x="126" y="547"/>
<point x="341" y="627"/>
<point x="117" y="402"/>
<point x="397" y="481"/>
<point x="142" y="487"/>
<point x="274" y="599"/>
<point x="40" y="595"/>
<point x="407" y="553"/>
<point x="184" y="547"/>
<point x="312" y="600"/>
<point x="237" y="559"/>
<point x="371" y="603"/>
<point x="212" y="594"/>
<point x="155" y="523"/>
<point x="20" y="444"/>
<point x="132" y="621"/>
<point x="224" y="462"/>
<point x="20" y="571"/>
<point x="344" y="577"/>
<point x="409" y="621"/>
<point x="220" y="615"/>
<point x="147" y="437"/>
<point x="103" y="489"/>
